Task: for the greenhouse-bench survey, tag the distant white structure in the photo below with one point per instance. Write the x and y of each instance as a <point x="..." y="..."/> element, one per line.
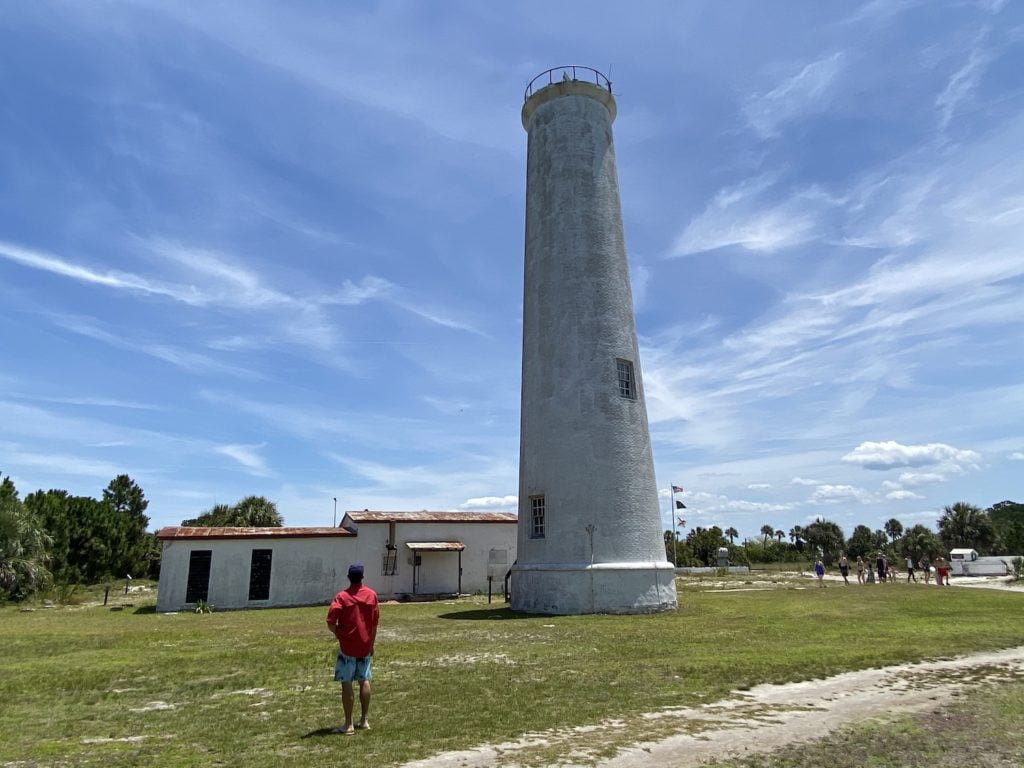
<point x="966" y="562"/>
<point x="590" y="537"/>
<point x="406" y="555"/>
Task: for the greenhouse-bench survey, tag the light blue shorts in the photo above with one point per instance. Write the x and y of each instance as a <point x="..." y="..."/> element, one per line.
<point x="347" y="669"/>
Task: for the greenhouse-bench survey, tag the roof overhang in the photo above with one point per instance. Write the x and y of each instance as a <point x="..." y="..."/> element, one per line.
<point x="435" y="546"/>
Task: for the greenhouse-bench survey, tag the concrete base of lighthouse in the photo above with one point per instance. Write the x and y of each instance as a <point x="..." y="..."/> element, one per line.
<point x="573" y="588"/>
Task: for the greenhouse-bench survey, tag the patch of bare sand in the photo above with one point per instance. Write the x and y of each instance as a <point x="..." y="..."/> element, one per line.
<point x="760" y="720"/>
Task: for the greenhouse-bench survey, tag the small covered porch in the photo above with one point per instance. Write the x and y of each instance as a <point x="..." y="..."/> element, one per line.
<point x="434" y="570"/>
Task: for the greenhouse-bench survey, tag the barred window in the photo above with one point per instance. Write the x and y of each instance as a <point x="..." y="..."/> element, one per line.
<point x="537" y="517"/>
<point x="259" y="574"/>
<point x="197" y="583"/>
<point x="627" y="384"/>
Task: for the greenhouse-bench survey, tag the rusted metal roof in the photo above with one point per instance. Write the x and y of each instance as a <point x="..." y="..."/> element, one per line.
<point x="184" y="532"/>
<point x="374" y="516"/>
<point x="435" y="546"/>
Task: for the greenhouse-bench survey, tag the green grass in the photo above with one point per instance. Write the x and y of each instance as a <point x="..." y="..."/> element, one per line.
<point x="254" y="688"/>
<point x="981" y="728"/>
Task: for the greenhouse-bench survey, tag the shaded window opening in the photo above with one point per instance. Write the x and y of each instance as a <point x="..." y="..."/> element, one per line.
<point x="197" y="585"/>
<point x="259" y="574"/>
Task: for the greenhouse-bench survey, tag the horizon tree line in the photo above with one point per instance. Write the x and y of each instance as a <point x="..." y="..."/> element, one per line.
<point x="996" y="530"/>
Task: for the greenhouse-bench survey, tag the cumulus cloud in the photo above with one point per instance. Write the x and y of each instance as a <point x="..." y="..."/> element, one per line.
<point x="1016" y="456"/>
<point x="890" y="454"/>
<point x="913" y="479"/>
<point x="903" y="495"/>
<point x="491" y="502"/>
<point x="804" y="481"/>
<point x="833" y="494"/>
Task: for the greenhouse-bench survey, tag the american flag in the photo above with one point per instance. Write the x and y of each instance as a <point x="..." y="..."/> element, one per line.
<point x="677" y="489"/>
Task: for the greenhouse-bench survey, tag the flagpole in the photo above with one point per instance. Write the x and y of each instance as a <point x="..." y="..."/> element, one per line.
<point x="672" y="511"/>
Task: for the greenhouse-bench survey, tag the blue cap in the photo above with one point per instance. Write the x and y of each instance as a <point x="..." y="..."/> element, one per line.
<point x="355" y="572"/>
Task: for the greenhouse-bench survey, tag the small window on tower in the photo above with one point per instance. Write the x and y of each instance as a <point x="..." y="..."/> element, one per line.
<point x="537" y="517"/>
<point x="627" y="384"/>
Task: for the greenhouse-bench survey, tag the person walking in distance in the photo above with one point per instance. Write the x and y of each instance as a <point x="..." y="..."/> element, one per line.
<point x="819" y="571"/>
<point x="353" y="618"/>
<point x="844" y="568"/>
<point x="910" y="570"/>
<point x="860" y="570"/>
<point x="880" y="564"/>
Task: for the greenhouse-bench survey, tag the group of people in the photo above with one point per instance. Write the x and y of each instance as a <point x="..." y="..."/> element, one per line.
<point x="886" y="571"/>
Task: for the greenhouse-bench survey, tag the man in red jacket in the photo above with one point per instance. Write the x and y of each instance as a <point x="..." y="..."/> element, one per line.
<point x="352" y="618"/>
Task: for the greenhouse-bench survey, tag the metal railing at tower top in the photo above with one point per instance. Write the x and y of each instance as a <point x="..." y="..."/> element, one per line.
<point x="573" y="72"/>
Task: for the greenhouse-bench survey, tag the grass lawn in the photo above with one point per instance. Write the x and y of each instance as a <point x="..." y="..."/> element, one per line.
<point x="89" y="686"/>
<point x="981" y="729"/>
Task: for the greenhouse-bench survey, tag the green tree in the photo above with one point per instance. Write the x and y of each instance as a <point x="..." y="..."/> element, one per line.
<point x="861" y="543"/>
<point x="1008" y="520"/>
<point x="250" y="512"/>
<point x="732" y="533"/>
<point x="796" y="535"/>
<point x="767" y="531"/>
<point x="965" y="525"/>
<point x="23" y="547"/>
<point x="88" y="536"/>
<point x="919" y="542"/>
<point x="825" y="536"/>
<point x="129" y="545"/>
<point x="703" y="543"/>
<point x="780" y="535"/>
<point x="893" y="529"/>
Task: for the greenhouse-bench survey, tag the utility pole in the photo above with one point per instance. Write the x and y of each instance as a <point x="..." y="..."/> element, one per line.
<point x="335" y="511"/>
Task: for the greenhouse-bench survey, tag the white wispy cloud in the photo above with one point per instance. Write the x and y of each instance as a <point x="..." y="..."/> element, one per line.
<point x="759" y="486"/>
<point x="805" y="92"/>
<point x="962" y="84"/>
<point x="1016" y="456"/>
<point x="247" y="456"/>
<point x="510" y="503"/>
<point x="890" y="454"/>
<point x="55" y="465"/>
<point x="123" y="281"/>
<point x="193" y="362"/>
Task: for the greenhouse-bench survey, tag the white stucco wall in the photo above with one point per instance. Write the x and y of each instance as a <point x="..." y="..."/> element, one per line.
<point x="304" y="571"/>
<point x="309" y="571"/>
<point x="439" y="570"/>
<point x="584" y="447"/>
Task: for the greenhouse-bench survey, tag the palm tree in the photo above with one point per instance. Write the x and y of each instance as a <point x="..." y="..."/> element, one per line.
<point x="24" y="546"/>
<point x="732" y="533"/>
<point x="796" y="535"/>
<point x="893" y="529"/>
<point x="257" y="512"/>
<point x="965" y="525"/>
<point x="767" y="531"/>
<point x="780" y="535"/>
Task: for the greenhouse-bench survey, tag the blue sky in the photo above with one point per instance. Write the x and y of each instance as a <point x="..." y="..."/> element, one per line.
<point x="277" y="249"/>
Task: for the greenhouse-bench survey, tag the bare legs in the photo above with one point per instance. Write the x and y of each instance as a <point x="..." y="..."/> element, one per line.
<point x="348" y="702"/>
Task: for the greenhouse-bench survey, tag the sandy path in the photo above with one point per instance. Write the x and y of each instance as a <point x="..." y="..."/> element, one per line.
<point x="759" y="720"/>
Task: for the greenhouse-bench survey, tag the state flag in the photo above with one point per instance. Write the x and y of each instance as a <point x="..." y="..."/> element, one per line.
<point x="680" y="505"/>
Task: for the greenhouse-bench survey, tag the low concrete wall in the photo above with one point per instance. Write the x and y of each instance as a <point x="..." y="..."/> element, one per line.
<point x="712" y="569"/>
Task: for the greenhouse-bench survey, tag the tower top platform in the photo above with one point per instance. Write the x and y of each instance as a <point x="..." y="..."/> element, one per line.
<point x="562" y="81"/>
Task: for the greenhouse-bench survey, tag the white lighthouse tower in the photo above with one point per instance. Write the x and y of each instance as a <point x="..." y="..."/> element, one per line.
<point x="590" y="538"/>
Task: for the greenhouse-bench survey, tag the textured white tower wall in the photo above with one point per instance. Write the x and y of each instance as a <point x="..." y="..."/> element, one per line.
<point x="583" y="446"/>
